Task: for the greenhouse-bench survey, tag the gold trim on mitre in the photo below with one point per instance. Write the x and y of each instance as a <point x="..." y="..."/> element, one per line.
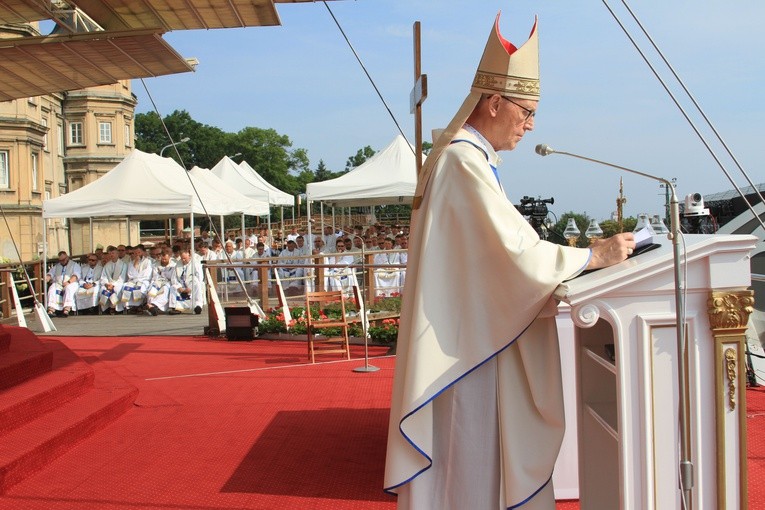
<point x="505" y="70"/>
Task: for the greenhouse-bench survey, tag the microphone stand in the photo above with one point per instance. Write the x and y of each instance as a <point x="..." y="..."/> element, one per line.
<point x="686" y="466"/>
<point x="364" y="322"/>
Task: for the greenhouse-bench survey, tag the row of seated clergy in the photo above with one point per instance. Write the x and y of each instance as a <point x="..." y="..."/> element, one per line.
<point x="176" y="286"/>
<point x="164" y="286"/>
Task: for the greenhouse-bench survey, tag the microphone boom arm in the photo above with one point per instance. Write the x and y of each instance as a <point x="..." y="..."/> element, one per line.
<point x="686" y="466"/>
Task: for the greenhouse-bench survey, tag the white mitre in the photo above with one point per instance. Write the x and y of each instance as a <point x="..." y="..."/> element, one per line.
<point x="505" y="70"/>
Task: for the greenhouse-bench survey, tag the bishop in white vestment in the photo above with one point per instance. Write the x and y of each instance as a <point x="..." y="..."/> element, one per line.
<point x="477" y="410"/>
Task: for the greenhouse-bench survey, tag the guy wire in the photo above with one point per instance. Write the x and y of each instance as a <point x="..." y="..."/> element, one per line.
<point x="191" y="181"/>
<point x="368" y="76"/>
<point x="18" y="254"/>
<point x="685" y="115"/>
<point x="693" y="100"/>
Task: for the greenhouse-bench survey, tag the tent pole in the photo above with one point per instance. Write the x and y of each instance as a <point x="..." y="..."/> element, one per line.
<point x="308" y="221"/>
<point x="130" y="242"/>
<point x="269" y="238"/>
<point x="243" y="233"/>
<point x="192" y="250"/>
<point x="321" y="211"/>
<point x="44" y="263"/>
<point x="281" y="213"/>
<point x="222" y="233"/>
<point x="293" y="214"/>
<point x="90" y="224"/>
<point x="334" y="228"/>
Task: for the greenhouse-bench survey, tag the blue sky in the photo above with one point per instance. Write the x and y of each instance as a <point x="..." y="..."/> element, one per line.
<point x="598" y="97"/>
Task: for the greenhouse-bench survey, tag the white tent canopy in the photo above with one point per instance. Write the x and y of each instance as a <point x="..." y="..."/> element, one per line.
<point x="147" y="185"/>
<point x="214" y="183"/>
<point x="275" y="195"/>
<point x="244" y="180"/>
<point x="388" y="177"/>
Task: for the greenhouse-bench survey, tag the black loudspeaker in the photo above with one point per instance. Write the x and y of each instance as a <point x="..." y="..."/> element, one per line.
<point x="241" y="323"/>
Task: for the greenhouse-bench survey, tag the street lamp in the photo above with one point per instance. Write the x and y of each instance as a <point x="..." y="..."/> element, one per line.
<point x="182" y="140"/>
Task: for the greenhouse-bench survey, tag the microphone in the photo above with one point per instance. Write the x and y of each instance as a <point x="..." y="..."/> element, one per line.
<point x="543" y="150"/>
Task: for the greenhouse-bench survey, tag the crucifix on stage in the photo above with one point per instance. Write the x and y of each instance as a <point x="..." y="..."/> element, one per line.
<point x="417" y="97"/>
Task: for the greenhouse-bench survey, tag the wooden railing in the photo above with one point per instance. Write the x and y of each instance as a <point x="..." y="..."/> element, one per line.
<point x="8" y="271"/>
<point x="263" y="266"/>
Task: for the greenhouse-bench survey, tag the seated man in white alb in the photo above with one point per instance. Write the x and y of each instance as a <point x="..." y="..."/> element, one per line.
<point x="228" y="274"/>
<point x="341" y="277"/>
<point x="261" y="254"/>
<point x="248" y="252"/>
<point x="291" y="277"/>
<point x="112" y="279"/>
<point x="139" y="273"/>
<point x="187" y="284"/>
<point x="63" y="279"/>
<point x="161" y="295"/>
<point x="403" y="257"/>
<point x="387" y="281"/>
<point x="88" y="293"/>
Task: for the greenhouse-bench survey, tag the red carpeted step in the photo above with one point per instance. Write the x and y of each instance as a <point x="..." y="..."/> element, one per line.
<point x="26" y="358"/>
<point x="69" y="378"/>
<point x="33" y="446"/>
<point x="5" y="340"/>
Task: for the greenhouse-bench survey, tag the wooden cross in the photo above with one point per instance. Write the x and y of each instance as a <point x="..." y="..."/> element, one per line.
<point x="417" y="97"/>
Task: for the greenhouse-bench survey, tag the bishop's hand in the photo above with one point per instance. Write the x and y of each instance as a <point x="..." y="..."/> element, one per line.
<point x="607" y="252"/>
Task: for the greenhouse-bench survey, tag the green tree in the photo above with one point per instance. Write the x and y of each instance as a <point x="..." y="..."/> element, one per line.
<point x="610" y="227"/>
<point x="359" y="158"/>
<point x="268" y="152"/>
<point x="206" y="145"/>
<point x="322" y="173"/>
<point x="427" y="147"/>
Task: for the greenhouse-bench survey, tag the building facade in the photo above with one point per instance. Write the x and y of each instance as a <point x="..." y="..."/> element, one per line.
<point x="53" y="144"/>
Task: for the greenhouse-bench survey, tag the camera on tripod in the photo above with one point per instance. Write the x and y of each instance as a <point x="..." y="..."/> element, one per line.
<point x="535" y="207"/>
<point x="535" y="210"/>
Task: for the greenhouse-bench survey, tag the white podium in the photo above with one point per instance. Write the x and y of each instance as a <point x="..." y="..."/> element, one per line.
<point x="625" y="361"/>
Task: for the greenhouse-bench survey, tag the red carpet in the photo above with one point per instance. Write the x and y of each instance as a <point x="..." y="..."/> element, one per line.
<point x="261" y="430"/>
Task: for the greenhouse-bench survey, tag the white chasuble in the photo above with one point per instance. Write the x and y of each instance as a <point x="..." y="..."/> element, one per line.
<point x="477" y="407"/>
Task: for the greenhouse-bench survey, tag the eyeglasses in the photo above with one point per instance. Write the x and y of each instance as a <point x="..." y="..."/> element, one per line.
<point x="530" y="114"/>
<point x="92" y="260"/>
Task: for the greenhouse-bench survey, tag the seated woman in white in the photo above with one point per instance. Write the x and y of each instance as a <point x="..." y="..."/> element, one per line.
<point x="88" y="293"/>
<point x="63" y="279"/>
